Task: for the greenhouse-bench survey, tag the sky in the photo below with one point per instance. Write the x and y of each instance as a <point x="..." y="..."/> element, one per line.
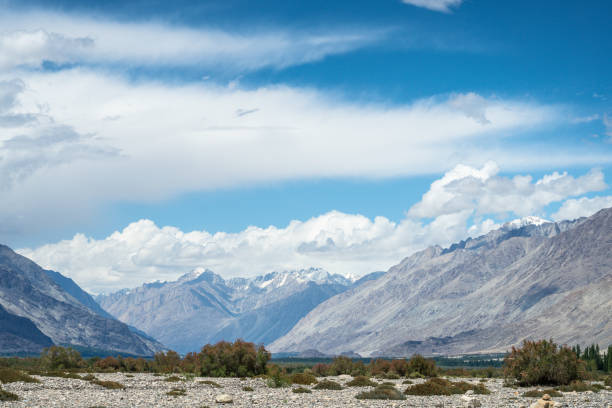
<point x="140" y="140"/>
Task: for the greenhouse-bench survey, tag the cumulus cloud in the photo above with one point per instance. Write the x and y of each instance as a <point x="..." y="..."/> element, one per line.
<point x="339" y="242"/>
<point x="29" y="39"/>
<point x="581" y="207"/>
<point x="444" y="6"/>
<point x="484" y="191"/>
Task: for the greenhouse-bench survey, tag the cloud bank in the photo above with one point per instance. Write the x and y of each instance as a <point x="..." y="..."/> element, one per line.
<point x="339" y="242"/>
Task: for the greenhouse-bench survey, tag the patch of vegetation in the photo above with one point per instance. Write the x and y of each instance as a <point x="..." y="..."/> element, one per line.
<point x="407" y="382"/>
<point x="277" y="377"/>
<point x="382" y="392"/>
<point x="111" y="385"/>
<point x="173" y="378"/>
<point x="60" y="358"/>
<point x="539" y="394"/>
<point x="327" y="385"/>
<point x="301" y="390"/>
<point x="441" y="386"/>
<point x="361" y="381"/>
<point x="59" y="374"/>
<point x="211" y="383"/>
<point x="416" y="374"/>
<point x="8" y="396"/>
<point x="303" y="379"/>
<point x="608" y="381"/>
<point x="8" y="375"/>
<point x="543" y="363"/>
<point x="177" y="392"/>
<point x="88" y="377"/>
<point x="247" y="388"/>
<point x="579" y="386"/>
<point x="129" y="375"/>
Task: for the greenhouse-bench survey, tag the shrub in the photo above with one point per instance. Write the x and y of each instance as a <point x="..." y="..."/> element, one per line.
<point x="177" y="392"/>
<point x="383" y="392"/>
<point x="88" y="377"/>
<point x="407" y="382"/>
<point x="361" y="381"/>
<point x="173" y="378"/>
<point x="238" y="359"/>
<point x="539" y="394"/>
<point x="107" y="364"/>
<point x="440" y="386"/>
<point x="8" y="396"/>
<point x="111" y="385"/>
<point x="327" y="385"/>
<point x="211" y="383"/>
<point x="579" y="386"/>
<point x="340" y="365"/>
<point x="247" y="389"/>
<point x="277" y="377"/>
<point x="424" y="366"/>
<point x="8" y="375"/>
<point x="543" y="363"/>
<point x="608" y="381"/>
<point x="301" y="390"/>
<point x="303" y="379"/>
<point x="416" y="374"/>
<point x="59" y="358"/>
<point x="320" y="370"/>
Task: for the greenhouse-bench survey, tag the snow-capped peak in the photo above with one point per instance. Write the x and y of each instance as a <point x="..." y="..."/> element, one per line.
<point x="317" y="275"/>
<point x="522" y="222"/>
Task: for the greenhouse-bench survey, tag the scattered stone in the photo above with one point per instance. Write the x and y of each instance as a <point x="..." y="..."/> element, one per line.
<point x="224" y="399"/>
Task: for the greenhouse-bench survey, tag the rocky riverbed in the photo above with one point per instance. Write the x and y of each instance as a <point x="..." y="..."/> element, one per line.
<point x="147" y="390"/>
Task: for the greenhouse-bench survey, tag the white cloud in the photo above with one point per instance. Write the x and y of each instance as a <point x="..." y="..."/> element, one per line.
<point x="444" y="6"/>
<point x="341" y="243"/>
<point x="179" y="138"/>
<point x="29" y="39"/>
<point x="581" y="207"/>
<point x="466" y="188"/>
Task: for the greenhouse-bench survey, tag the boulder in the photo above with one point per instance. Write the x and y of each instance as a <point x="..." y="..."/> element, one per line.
<point x="544" y="402"/>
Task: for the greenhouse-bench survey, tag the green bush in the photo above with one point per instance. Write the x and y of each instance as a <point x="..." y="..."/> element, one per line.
<point x="361" y="381"/>
<point x="424" y="366"/>
<point x="247" y="388"/>
<point x="407" y="382"/>
<point x="539" y="394"/>
<point x="327" y="385"/>
<point x="543" y="363"/>
<point x="173" y="378"/>
<point x="277" y="377"/>
<point x="608" y="381"/>
<point x="579" y="386"/>
<point x="177" y="392"/>
<point x="111" y="385"/>
<point x="8" y="396"/>
<point x="382" y="392"/>
<point x="238" y="359"/>
<point x="60" y="358"/>
<point x="440" y="386"/>
<point x="303" y="379"/>
<point x="8" y="375"/>
<point x="301" y="390"/>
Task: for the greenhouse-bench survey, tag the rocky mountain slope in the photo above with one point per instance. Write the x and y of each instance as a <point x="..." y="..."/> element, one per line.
<point x="36" y="312"/>
<point x="525" y="280"/>
<point x="201" y="307"/>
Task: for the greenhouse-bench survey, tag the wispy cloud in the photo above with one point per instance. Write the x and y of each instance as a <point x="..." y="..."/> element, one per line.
<point x="339" y="242"/>
<point x="444" y="6"/>
<point x="33" y="38"/>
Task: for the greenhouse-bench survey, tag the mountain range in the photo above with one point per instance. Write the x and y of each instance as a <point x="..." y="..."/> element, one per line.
<point x="528" y="279"/>
<point x="40" y="308"/>
<point x="201" y="307"/>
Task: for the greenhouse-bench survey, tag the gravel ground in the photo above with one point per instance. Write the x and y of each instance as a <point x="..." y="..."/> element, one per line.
<point x="147" y="390"/>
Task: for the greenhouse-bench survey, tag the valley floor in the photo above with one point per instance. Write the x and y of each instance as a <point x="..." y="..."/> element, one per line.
<point x="147" y="390"/>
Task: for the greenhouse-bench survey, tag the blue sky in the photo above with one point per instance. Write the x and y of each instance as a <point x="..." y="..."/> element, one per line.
<point x="118" y="118"/>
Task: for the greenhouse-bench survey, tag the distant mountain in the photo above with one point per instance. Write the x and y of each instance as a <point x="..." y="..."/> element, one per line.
<point x="39" y="308"/>
<point x="201" y="307"/>
<point x="528" y="279"/>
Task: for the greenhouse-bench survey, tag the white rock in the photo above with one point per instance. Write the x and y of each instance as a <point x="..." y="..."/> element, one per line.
<point x="224" y="399"/>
